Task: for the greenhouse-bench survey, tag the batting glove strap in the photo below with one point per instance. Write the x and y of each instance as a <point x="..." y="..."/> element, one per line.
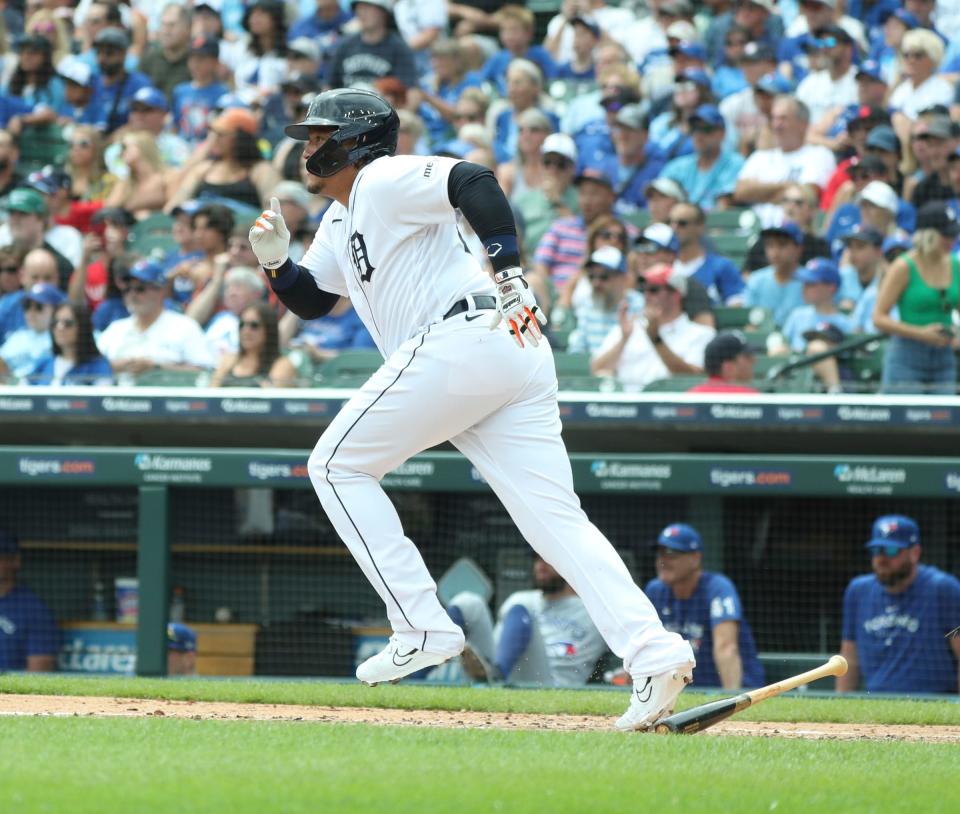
<point x="517" y="306"/>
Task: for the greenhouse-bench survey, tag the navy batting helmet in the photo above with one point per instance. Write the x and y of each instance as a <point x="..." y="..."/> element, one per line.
<point x="366" y="126"/>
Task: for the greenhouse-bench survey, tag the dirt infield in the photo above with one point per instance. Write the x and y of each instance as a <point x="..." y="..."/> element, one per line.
<point x="204" y="711"/>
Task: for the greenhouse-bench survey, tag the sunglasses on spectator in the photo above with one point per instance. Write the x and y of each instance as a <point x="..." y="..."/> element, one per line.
<point x="9" y="269"/>
<point x="30" y="305"/>
<point x="244" y="323"/>
<point x="557" y="163"/>
<point x="135" y="286"/>
<point x="663" y="551"/>
<point x="702" y="127"/>
<point x="81" y="143"/>
<point x="885" y="550"/>
<point x="64" y="323"/>
<point x="914" y="54"/>
<point x="653" y="289"/>
<point x="612" y="234"/>
<point x="599" y="276"/>
<point x="797" y="201"/>
<point x="467" y="117"/>
<point x="679" y="222"/>
<point x="824" y="42"/>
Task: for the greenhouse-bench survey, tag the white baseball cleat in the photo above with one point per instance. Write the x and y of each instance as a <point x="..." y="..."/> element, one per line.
<point x="395" y="661"/>
<point x="654" y="697"/>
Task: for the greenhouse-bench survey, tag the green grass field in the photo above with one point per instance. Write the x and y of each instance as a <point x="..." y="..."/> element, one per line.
<point x="76" y="765"/>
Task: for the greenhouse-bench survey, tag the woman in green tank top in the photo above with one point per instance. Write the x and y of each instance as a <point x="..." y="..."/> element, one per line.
<point x="924" y="284"/>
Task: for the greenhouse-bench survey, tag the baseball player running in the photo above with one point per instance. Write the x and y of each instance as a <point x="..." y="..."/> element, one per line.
<point x="465" y="362"/>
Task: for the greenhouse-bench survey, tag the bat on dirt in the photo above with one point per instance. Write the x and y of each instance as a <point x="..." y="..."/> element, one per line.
<point x="696" y="719"/>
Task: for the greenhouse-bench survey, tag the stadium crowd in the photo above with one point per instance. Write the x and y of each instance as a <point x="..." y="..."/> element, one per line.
<point x="676" y="169"/>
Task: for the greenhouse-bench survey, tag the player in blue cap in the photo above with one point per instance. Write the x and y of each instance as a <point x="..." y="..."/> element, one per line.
<point x="897" y="621"/>
<point x="181" y="650"/>
<point x="703" y="607"/>
<point x="29" y="638"/>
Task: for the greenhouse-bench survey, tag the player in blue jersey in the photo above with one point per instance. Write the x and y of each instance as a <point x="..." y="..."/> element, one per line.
<point x="704" y="608"/>
<point x="897" y="621"/>
<point x="29" y="638"/>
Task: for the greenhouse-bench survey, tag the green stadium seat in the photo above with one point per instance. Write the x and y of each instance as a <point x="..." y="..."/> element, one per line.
<point x="155" y="247"/>
<point x="673" y="384"/>
<point x="156" y="224"/>
<point x="732" y="245"/>
<point x="572" y="364"/>
<point x="349" y="368"/>
<point x="740" y="220"/>
<point x="40" y="145"/>
<point x="168" y="378"/>
<point x="640" y="219"/>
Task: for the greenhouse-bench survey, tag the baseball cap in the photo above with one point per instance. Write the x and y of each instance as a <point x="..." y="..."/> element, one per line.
<point x="865" y="234"/>
<point x="304" y="47"/>
<point x="895" y="530"/>
<point x="146" y="271"/>
<point x="880" y="194"/>
<point x="680" y="537"/>
<point x="871" y="69"/>
<point x="26" y="200"/>
<point x="826" y="331"/>
<point x="150" y="97"/>
<point x="938" y="127"/>
<point x="882" y="137"/>
<point x="677" y="8"/>
<point x="695" y="75"/>
<point x="187" y="207"/>
<point x="785" y="229"/>
<point x="35" y="42"/>
<point x="8" y="543"/>
<point x="663" y="274"/>
<point x="865" y="116"/>
<point x="114" y="214"/>
<point x="940" y="216"/>
<point x="758" y="52"/>
<point x="905" y="17"/>
<point x="45" y="294"/>
<point x="668" y="187"/>
<point x="229" y="101"/>
<point x="709" y="115"/>
<point x="657" y="236"/>
<point x="560" y="144"/>
<point x="724" y="347"/>
<point x="768" y="5"/>
<point x="205" y="47"/>
<point x="75" y="70"/>
<point x="234" y="119"/>
<point x="113" y="37"/>
<point x="610" y="257"/>
<point x="216" y="6"/>
<point x="772" y="84"/>
<point x="867" y="163"/>
<point x="896" y="245"/>
<point x="691" y="50"/>
<point x="588" y="23"/>
<point x="819" y="270"/>
<point x="597" y="174"/>
<point x="181" y="638"/>
<point x="822" y="36"/>
<point x="633" y="116"/>
<point x="682" y="30"/>
<point x="293" y="192"/>
<point x="41" y="183"/>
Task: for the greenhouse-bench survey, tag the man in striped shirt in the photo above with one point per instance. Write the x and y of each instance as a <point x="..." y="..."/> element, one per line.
<point x="597" y="315"/>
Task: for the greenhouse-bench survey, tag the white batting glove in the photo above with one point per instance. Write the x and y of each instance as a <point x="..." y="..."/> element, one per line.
<point x="270" y="238"/>
<point x="518" y="307"/>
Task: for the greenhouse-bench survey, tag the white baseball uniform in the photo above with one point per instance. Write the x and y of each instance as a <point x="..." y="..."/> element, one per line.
<point x="397" y="253"/>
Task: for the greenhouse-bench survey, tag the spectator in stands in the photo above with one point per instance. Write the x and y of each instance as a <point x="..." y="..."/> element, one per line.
<point x="767" y="173"/>
<point x="709" y="173"/>
<point x="181" y="650"/>
<point x="29" y="639"/>
<point x="728" y="77"/>
<point x="843" y="211"/>
<point x="885" y="47"/>
<point x="543" y="635"/>
<point x="728" y="362"/>
<point x="77" y="77"/>
<point x="636" y="163"/>
<point x="921" y="52"/>
<point x="758" y="18"/>
<point x="845" y="128"/>
<point x="420" y="23"/>
<point x="799" y="204"/>
<point x="113" y="85"/>
<point x="862" y="267"/>
<point x="89" y="180"/>
<point x="11" y="258"/>
<point x="149" y="111"/>
<point x="194" y="99"/>
<point x="259" y="63"/>
<point x="932" y="141"/>
<point x="610" y="285"/>
<point x="258" y="361"/>
<point x="776" y="287"/>
<point x="35" y="82"/>
<point x="714" y="272"/>
<point x="233" y="290"/>
<point x="212" y="225"/>
<point x="54" y="186"/>
<point x="105" y="255"/>
<point x="581" y="68"/>
<point x="897" y="621"/>
<point x="670" y="130"/>
<point x="516" y="25"/>
<point x="165" y="62"/>
<point x="25" y="347"/>
<point x="144" y="189"/>
<point x="555" y="197"/>
<point x="818" y="325"/>
<point x="27" y="226"/>
<point x="661" y="343"/>
<point x="235" y="169"/>
<point x="603" y="232"/>
<point x="924" y="284"/>
<point x="662" y="195"/>
<point x="743" y="114"/>
<point x="876" y="206"/>
<point x="38" y="266"/>
<point x="322" y="339"/>
<point x="152" y="338"/>
<point x="703" y="607"/>
<point x="834" y="83"/>
<point x="524" y="172"/>
<point x="443" y="88"/>
<point x="560" y="253"/>
<point x="73" y="358"/>
<point x="10" y="178"/>
<point x="561" y="29"/>
<point x="375" y="51"/>
<point x="524" y="88"/>
<point x="588" y="116"/>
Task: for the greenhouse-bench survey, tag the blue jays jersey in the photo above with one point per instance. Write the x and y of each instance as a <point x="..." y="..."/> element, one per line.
<point x="715" y="600"/>
<point x="27" y="628"/>
<point x="900" y="638"/>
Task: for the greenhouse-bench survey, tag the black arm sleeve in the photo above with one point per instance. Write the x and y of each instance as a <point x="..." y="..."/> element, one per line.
<point x="297" y="289"/>
<point x="474" y="190"/>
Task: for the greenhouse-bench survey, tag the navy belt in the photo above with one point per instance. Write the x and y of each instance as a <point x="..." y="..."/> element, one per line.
<point x="479" y="303"/>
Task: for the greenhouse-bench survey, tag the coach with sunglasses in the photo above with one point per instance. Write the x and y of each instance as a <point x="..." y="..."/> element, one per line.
<point x="898" y="621"/>
<point x="152" y="338"/>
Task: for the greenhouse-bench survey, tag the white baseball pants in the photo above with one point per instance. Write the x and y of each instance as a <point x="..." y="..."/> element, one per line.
<point x="458" y="381"/>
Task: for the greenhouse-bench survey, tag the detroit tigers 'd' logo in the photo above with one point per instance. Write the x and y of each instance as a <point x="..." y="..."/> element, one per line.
<point x="358" y="254"/>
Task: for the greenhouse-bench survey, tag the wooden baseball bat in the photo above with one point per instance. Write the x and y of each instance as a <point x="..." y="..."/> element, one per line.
<point x="696" y="719"/>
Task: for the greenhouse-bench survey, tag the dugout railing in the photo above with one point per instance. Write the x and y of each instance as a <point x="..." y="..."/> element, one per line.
<point x="242" y="530"/>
